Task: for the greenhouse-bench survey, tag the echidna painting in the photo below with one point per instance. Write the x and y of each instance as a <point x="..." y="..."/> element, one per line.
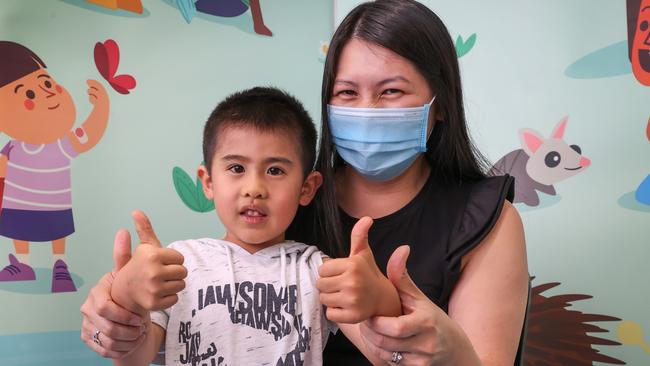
<point x="559" y="336"/>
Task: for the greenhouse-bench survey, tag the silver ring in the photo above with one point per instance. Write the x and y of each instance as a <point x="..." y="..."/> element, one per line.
<point x="397" y="357"/>
<point x="96" y="338"/>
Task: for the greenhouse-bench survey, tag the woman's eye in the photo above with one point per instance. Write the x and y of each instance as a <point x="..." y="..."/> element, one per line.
<point x="391" y="91"/>
<point x="237" y="169"/>
<point x="30" y="94"/>
<point x="275" y="171"/>
<point x="47" y="84"/>
<point x="347" y="93"/>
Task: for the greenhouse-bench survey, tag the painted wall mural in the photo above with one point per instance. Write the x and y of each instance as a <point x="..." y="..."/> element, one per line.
<point x="134" y="6"/>
<point x="191" y="191"/>
<point x="620" y="58"/>
<point x="642" y="194"/>
<point x="225" y="8"/>
<point x="558" y="335"/>
<point x="541" y="163"/>
<point x="35" y="165"/>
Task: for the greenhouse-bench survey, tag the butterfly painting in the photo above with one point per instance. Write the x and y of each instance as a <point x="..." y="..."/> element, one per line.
<point x="107" y="60"/>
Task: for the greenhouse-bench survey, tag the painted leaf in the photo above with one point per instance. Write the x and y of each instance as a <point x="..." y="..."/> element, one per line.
<point x="205" y="204"/>
<point x="462" y="48"/>
<point x="185" y="189"/>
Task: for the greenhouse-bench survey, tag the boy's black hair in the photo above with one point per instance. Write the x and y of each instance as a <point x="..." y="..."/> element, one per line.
<point x="16" y="61"/>
<point x="264" y="109"/>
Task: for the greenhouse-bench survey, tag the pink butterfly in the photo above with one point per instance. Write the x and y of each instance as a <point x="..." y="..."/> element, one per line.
<point x="107" y="59"/>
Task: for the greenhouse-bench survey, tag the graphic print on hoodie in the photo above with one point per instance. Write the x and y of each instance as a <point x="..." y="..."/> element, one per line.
<point x="240" y="308"/>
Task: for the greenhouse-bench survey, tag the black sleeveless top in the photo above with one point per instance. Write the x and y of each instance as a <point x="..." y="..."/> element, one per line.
<point x="441" y="224"/>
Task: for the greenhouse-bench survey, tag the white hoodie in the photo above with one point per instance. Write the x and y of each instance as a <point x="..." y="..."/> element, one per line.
<point x="273" y="317"/>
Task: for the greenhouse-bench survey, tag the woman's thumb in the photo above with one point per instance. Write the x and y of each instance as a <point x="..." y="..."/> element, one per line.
<point x="121" y="249"/>
<point x="396" y="271"/>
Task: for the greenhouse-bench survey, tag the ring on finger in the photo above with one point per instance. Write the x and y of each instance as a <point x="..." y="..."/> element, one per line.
<point x="96" y="337"/>
<point x="396" y="357"/>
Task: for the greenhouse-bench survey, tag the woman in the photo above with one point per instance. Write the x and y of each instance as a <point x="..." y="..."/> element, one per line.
<point x="395" y="147"/>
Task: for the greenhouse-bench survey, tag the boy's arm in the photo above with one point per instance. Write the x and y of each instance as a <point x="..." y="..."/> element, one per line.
<point x="92" y="130"/>
<point x="146" y="352"/>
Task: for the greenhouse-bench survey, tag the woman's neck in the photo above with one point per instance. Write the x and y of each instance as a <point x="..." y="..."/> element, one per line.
<point x="359" y="197"/>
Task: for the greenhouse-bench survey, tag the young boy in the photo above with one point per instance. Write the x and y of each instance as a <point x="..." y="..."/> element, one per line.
<point x="251" y="298"/>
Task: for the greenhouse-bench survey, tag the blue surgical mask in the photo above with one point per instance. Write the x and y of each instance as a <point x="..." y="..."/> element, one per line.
<point x="379" y="143"/>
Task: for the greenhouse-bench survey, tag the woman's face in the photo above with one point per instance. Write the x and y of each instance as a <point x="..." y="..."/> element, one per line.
<point x="371" y="76"/>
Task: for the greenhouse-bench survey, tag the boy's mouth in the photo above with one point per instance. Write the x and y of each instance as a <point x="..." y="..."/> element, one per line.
<point x="252" y="214"/>
<point x="55" y="107"/>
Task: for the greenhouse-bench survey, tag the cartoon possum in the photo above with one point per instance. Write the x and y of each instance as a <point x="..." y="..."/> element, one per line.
<point x="541" y="163"/>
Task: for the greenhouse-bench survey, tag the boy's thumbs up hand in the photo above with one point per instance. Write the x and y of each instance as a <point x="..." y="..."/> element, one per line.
<point x="352" y="287"/>
<point x="359" y="238"/>
<point x="144" y="229"/>
<point x="153" y="276"/>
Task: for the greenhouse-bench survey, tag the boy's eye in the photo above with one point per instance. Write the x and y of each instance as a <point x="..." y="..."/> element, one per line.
<point x="237" y="169"/>
<point x="47" y="84"/>
<point x="30" y="94"/>
<point x="275" y="171"/>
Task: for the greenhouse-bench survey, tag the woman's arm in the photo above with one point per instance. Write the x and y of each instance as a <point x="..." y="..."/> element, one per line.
<point x="146" y="352"/>
<point x="486" y="308"/>
<point x="489" y="300"/>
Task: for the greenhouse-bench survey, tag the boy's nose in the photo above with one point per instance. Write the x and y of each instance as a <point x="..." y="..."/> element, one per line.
<point x="254" y="188"/>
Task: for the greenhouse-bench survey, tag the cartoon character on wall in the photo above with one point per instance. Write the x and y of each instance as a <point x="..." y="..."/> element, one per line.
<point x="541" y="163"/>
<point x="638" y="38"/>
<point x="38" y="114"/>
<point x="225" y="8"/>
<point x="642" y="193"/>
<point x="622" y="57"/>
<point x="134" y="6"/>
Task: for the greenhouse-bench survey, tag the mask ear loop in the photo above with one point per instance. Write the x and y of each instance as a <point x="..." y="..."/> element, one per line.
<point x="432" y="123"/>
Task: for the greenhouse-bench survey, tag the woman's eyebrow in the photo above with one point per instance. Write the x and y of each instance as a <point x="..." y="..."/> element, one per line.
<point x="43" y="76"/>
<point x="393" y="79"/>
<point x="18" y="87"/>
<point x="346" y="82"/>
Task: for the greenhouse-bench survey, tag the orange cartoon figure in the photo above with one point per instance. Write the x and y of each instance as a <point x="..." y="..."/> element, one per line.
<point x="38" y="114"/>
<point x="638" y="23"/>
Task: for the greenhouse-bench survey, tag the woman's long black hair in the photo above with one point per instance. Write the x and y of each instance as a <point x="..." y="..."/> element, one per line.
<point x="414" y="32"/>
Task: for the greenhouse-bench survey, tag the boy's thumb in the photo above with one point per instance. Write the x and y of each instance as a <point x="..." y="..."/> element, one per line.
<point x="144" y="229"/>
<point x="121" y="249"/>
<point x="359" y="236"/>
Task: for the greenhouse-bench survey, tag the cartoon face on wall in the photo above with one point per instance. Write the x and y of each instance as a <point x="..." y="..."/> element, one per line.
<point x="639" y="39"/>
<point x="34" y="99"/>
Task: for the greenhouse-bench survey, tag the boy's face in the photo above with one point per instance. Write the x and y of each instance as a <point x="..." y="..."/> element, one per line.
<point x="256" y="181"/>
<point x="36" y="109"/>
